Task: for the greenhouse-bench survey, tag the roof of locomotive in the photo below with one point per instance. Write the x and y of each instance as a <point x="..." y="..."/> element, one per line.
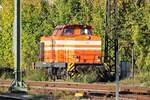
<point x="75" y="25"/>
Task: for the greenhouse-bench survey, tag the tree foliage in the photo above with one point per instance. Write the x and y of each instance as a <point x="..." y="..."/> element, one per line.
<point x="40" y="18"/>
<point x="6" y="50"/>
<point x="134" y="26"/>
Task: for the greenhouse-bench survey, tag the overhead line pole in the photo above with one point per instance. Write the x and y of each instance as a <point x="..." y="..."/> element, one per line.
<point x="116" y="48"/>
<point x="111" y="57"/>
<point x="18" y="84"/>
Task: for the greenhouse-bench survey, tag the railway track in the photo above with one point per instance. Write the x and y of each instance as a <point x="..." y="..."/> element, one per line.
<point x="95" y="90"/>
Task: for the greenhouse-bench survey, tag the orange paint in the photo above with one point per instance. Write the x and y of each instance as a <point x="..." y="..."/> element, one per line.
<point x="72" y="44"/>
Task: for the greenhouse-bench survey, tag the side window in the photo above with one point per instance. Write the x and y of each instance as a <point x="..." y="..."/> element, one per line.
<point x="41" y="51"/>
<point x="86" y="31"/>
<point x="67" y="32"/>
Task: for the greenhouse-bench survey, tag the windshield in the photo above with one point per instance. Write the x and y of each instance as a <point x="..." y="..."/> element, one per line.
<point x="86" y="31"/>
<point x="67" y="32"/>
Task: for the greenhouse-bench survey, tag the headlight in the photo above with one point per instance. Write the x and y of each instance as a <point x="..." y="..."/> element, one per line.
<point x="98" y="58"/>
<point x="77" y="58"/>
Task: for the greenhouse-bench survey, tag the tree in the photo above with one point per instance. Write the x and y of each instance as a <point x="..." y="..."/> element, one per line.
<point x="6" y="50"/>
<point x="31" y="11"/>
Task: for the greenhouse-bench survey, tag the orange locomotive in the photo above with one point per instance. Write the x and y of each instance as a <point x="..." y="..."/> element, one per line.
<point x="71" y="48"/>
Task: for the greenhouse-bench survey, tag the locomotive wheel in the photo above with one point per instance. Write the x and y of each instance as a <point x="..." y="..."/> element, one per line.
<point x="55" y="73"/>
<point x="101" y="73"/>
<point x="52" y="74"/>
<point x="72" y="73"/>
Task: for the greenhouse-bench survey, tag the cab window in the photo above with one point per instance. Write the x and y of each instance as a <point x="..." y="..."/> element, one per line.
<point x="67" y="32"/>
<point x="86" y="31"/>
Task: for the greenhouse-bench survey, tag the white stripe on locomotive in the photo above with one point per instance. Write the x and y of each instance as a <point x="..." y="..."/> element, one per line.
<point x="69" y="48"/>
<point x="72" y="42"/>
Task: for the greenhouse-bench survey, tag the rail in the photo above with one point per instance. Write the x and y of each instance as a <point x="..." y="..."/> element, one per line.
<point x="108" y="90"/>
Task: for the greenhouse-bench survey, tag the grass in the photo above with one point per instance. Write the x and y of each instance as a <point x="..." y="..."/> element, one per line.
<point x="139" y="79"/>
<point x="55" y="95"/>
<point x="35" y="75"/>
<point x="7" y="76"/>
<point x="62" y="96"/>
<point x="84" y="78"/>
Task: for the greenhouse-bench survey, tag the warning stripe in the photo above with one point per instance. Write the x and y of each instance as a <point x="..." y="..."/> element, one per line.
<point x="70" y="66"/>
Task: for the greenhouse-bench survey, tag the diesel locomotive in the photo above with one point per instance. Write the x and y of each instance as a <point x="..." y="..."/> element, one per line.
<point x="71" y="49"/>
